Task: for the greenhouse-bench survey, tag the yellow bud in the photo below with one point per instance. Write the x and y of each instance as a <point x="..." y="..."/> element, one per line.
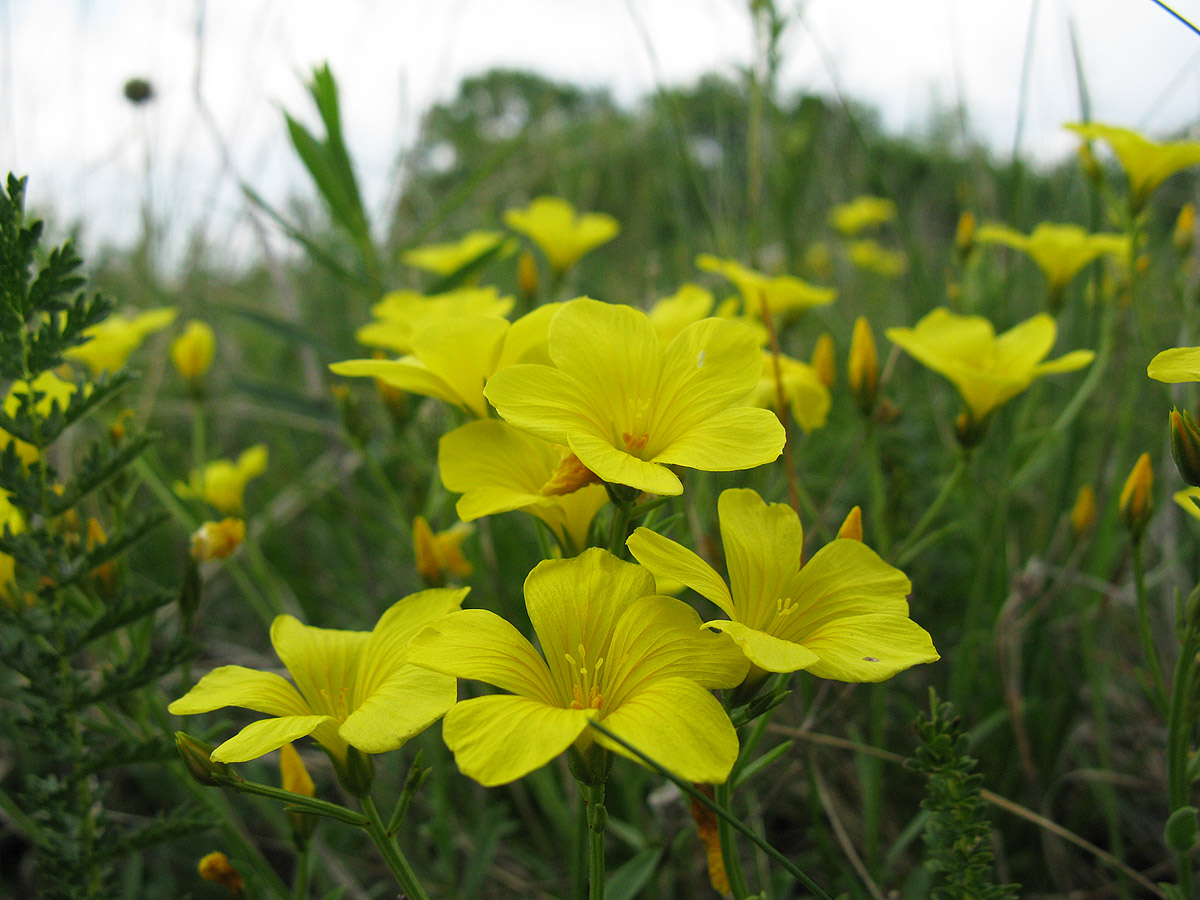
<point x="863" y="370"/>
<point x="217" y="540"/>
<point x="441" y="553"/>
<point x="1185" y="229"/>
<point x="217" y="868"/>
<point x="527" y="274"/>
<point x="964" y="235"/>
<point x="1136" y="503"/>
<point x="852" y="528"/>
<point x="192" y="352"/>
<point x="1083" y="513"/>
<point x="824" y="361"/>
<point x="1185" y="445"/>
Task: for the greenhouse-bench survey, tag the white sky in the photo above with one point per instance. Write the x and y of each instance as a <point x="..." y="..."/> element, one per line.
<point x="64" y="122"/>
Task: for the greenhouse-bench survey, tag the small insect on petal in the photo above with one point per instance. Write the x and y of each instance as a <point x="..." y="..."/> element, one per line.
<point x="700" y="359"/>
<point x="870" y="659"/>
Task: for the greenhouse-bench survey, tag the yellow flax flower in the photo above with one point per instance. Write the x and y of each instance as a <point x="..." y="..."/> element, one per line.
<point x="1136" y="502"/>
<point x="450" y="257"/>
<point x="453" y="358"/>
<point x="871" y="256"/>
<point x="862" y="213"/>
<point x="54" y="391"/>
<point x="192" y="352"/>
<point x="615" y="652"/>
<point x="628" y="406"/>
<point x="401" y="314"/>
<point x="805" y="394"/>
<point x="1176" y="365"/>
<point x="563" y="234"/>
<point x="348" y="689"/>
<point x="670" y="315"/>
<point x="782" y="293"/>
<point x="440" y="554"/>
<point x="1060" y="251"/>
<point x="10" y="518"/>
<point x="111" y="341"/>
<point x="222" y="483"/>
<point x="1147" y="164"/>
<point x="843" y="615"/>
<point x="987" y="369"/>
<point x="497" y="468"/>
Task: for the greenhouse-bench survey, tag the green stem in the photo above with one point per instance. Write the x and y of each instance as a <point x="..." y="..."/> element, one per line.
<point x="1158" y="685"/>
<point x="1180" y="721"/>
<point x="728" y="841"/>
<point x="597" y="819"/>
<point x="303" y="873"/>
<point x="903" y="553"/>
<point x="396" y="863"/>
<point x="882" y="537"/>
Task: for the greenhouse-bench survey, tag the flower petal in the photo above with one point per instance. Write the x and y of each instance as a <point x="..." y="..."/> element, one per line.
<point x="478" y="644"/>
<point x="576" y="603"/>
<point x="770" y="653"/>
<point x="385" y="651"/>
<point x="679" y="725"/>
<point x="498" y="739"/>
<point x="844" y="578"/>
<point x="541" y="400"/>
<point x="1068" y="362"/>
<point x="1176" y="365"/>
<point x="1025" y="344"/>
<point x="494" y="466"/>
<point x="323" y="662"/>
<point x="869" y="648"/>
<point x="266" y="735"/>
<point x="401" y="707"/>
<point x="675" y="562"/>
<point x="739" y="438"/>
<point x="263" y="692"/>
<point x="763" y="545"/>
<point x="618" y="467"/>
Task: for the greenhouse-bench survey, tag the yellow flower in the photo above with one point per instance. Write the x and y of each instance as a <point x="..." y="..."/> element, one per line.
<point x="111" y="341"/>
<point x="1060" y="251"/>
<point x="824" y="360"/>
<point x="689" y="304"/>
<point x="217" y="868"/>
<point x="497" y="468"/>
<point x="441" y="553"/>
<point x="843" y="615"/>
<point x="217" y="540"/>
<point x="987" y="370"/>
<point x="628" y="406"/>
<point x="11" y="519"/>
<point x="1176" y="365"/>
<point x="782" y="293"/>
<point x="806" y="395"/>
<point x="616" y="653"/>
<point x="1083" y="513"/>
<point x="351" y="688"/>
<point x="222" y="484"/>
<point x="1147" y="163"/>
<point x="401" y="314"/>
<point x="563" y="235"/>
<point x="453" y="358"/>
<point x="448" y="258"/>
<point x="192" y="352"/>
<point x="293" y="775"/>
<point x="54" y="391"/>
<point x="862" y="213"/>
<point x="871" y="256"/>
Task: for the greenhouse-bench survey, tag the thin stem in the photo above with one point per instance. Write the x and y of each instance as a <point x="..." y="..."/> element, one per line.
<point x="303" y="873"/>
<point x="729" y="851"/>
<point x="1157" y="684"/>
<point x="882" y="537"/>
<point x="388" y="849"/>
<point x="597" y="819"/>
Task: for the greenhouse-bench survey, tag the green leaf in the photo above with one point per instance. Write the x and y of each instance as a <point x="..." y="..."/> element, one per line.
<point x="629" y="879"/>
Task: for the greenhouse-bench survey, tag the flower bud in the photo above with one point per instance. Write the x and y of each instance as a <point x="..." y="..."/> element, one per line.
<point x="1083" y="513"/>
<point x="863" y="369"/>
<point x="217" y="868"/>
<point x="197" y="757"/>
<point x="852" y="528"/>
<point x="1136" y="503"/>
<point x="1184" y="237"/>
<point x="824" y="362"/>
<point x="217" y="540"/>
<point x="192" y="352"/>
<point x="527" y="274"/>
<point x="964" y="235"/>
<point x="1185" y="445"/>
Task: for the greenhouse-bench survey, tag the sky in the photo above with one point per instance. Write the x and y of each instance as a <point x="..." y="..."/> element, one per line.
<point x="223" y="70"/>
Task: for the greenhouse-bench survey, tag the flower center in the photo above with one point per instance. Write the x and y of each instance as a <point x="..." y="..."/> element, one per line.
<point x="784" y="607"/>
<point x="335" y="702"/>
<point x="585" y="691"/>
<point x="638" y="433"/>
